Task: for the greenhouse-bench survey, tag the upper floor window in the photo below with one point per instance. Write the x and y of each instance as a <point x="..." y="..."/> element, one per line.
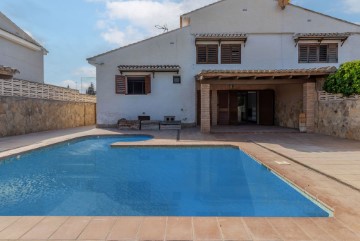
<point x="231" y="54"/>
<point x="207" y="54"/>
<point x="315" y="53"/>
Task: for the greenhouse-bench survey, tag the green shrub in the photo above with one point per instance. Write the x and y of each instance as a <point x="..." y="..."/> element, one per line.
<point x="346" y="80"/>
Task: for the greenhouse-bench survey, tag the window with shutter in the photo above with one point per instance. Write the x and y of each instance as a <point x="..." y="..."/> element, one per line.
<point x="207" y="54"/>
<point x="333" y="53"/>
<point x="120" y="84"/>
<point x="318" y="53"/>
<point x="303" y="54"/>
<point x="147" y="84"/>
<point x="231" y="54"/>
<point x="313" y="54"/>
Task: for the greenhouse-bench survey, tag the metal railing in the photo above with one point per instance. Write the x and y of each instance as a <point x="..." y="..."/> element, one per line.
<point x="28" y="89"/>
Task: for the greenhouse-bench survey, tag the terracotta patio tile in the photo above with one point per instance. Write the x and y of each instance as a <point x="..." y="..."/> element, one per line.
<point x="6" y="221"/>
<point x="206" y="229"/>
<point x="287" y="229"/>
<point x="179" y="229"/>
<point x="45" y="228"/>
<point x="336" y="229"/>
<point x="261" y="229"/>
<point x="312" y="230"/>
<point x="72" y="228"/>
<point x="98" y="228"/>
<point x="233" y="229"/>
<point x="125" y="228"/>
<point x="20" y="227"/>
<point x="152" y="228"/>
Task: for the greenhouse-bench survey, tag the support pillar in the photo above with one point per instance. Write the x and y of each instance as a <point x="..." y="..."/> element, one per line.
<point x="205" y="108"/>
<point x="309" y="93"/>
<point x="214" y="107"/>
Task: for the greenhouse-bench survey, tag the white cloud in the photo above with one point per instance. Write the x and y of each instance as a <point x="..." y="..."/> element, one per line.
<point x="352" y="6"/>
<point x="85" y="71"/>
<point x="127" y="21"/>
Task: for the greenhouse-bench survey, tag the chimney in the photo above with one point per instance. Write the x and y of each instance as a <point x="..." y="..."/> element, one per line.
<point x="283" y="3"/>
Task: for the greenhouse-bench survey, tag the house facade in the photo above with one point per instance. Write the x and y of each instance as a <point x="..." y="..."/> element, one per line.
<point x="231" y="62"/>
<point x="21" y="56"/>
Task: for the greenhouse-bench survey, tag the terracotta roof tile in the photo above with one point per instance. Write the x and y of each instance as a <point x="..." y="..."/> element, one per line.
<point x="322" y="35"/>
<point x="264" y="73"/>
<point x="220" y="35"/>
<point x="148" y="67"/>
<point x="8" y="70"/>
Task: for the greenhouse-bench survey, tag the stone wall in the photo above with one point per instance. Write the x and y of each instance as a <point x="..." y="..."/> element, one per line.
<point x="23" y="115"/>
<point x="288" y="105"/>
<point x="338" y="118"/>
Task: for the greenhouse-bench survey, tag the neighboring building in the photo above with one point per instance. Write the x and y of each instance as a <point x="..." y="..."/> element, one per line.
<point x="231" y="62"/>
<point x="20" y="54"/>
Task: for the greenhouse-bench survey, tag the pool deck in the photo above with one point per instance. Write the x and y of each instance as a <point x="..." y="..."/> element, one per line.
<point x="327" y="168"/>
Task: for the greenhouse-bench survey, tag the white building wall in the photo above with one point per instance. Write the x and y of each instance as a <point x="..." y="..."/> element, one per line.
<point x="29" y="62"/>
<point x="166" y="98"/>
<point x="270" y="45"/>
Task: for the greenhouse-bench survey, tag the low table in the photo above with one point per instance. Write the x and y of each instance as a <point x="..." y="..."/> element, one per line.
<point x="170" y="125"/>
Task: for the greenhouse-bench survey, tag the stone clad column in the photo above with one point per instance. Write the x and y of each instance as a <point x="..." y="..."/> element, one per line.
<point x="205" y="108"/>
<point x="214" y="107"/>
<point x="309" y="91"/>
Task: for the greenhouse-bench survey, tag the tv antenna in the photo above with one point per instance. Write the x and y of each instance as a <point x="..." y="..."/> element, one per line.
<point x="164" y="28"/>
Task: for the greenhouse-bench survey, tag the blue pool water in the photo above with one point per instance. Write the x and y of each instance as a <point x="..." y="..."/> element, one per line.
<point x="89" y="178"/>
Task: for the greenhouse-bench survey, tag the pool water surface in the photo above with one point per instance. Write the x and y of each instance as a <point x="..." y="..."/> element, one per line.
<point x="89" y="178"/>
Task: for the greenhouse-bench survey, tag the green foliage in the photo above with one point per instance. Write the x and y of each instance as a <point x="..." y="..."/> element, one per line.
<point x="346" y="80"/>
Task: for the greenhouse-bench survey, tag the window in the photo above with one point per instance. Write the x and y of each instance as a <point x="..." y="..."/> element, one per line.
<point x="323" y="53"/>
<point x="176" y="79"/>
<point x="207" y="54"/>
<point x="133" y="85"/>
<point x="231" y="54"/>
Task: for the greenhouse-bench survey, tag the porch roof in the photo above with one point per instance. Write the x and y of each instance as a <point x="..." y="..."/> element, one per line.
<point x="264" y="74"/>
<point x="149" y="68"/>
<point x="221" y="36"/>
<point x="322" y="36"/>
<point x="8" y="71"/>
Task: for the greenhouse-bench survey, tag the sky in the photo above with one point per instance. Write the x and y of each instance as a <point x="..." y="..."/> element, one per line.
<point x="73" y="30"/>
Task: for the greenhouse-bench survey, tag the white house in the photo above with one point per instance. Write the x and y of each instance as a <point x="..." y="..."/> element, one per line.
<point x="20" y="54"/>
<point x="231" y="62"/>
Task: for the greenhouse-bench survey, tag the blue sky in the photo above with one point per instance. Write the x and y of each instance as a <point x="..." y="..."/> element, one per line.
<point x="73" y="30"/>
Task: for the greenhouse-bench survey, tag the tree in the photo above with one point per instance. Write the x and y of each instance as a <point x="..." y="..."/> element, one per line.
<point x="91" y="90"/>
<point x="346" y="80"/>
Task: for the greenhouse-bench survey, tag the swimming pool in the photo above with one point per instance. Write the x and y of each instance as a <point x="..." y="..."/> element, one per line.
<point x="89" y="178"/>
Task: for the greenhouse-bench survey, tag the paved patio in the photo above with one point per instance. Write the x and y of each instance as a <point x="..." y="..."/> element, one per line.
<point x="326" y="168"/>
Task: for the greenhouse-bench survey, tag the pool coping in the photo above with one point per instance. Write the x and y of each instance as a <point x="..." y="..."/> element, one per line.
<point x="179" y="144"/>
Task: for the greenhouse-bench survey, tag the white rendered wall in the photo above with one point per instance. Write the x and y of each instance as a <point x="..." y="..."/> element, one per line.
<point x="166" y="98"/>
<point x="30" y="63"/>
<point x="270" y="45"/>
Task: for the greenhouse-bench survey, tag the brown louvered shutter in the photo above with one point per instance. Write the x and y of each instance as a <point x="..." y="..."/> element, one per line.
<point x="231" y="54"/>
<point x="201" y="54"/>
<point x="303" y="54"/>
<point x="120" y="84"/>
<point x="323" y="53"/>
<point x="313" y="54"/>
<point x="333" y="53"/>
<point x="212" y="54"/>
<point x="147" y="84"/>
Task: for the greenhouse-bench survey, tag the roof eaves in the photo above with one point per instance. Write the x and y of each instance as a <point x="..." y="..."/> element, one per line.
<point x="30" y="39"/>
<point x="132" y="44"/>
<point x="312" y="11"/>
<point x="209" y="5"/>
